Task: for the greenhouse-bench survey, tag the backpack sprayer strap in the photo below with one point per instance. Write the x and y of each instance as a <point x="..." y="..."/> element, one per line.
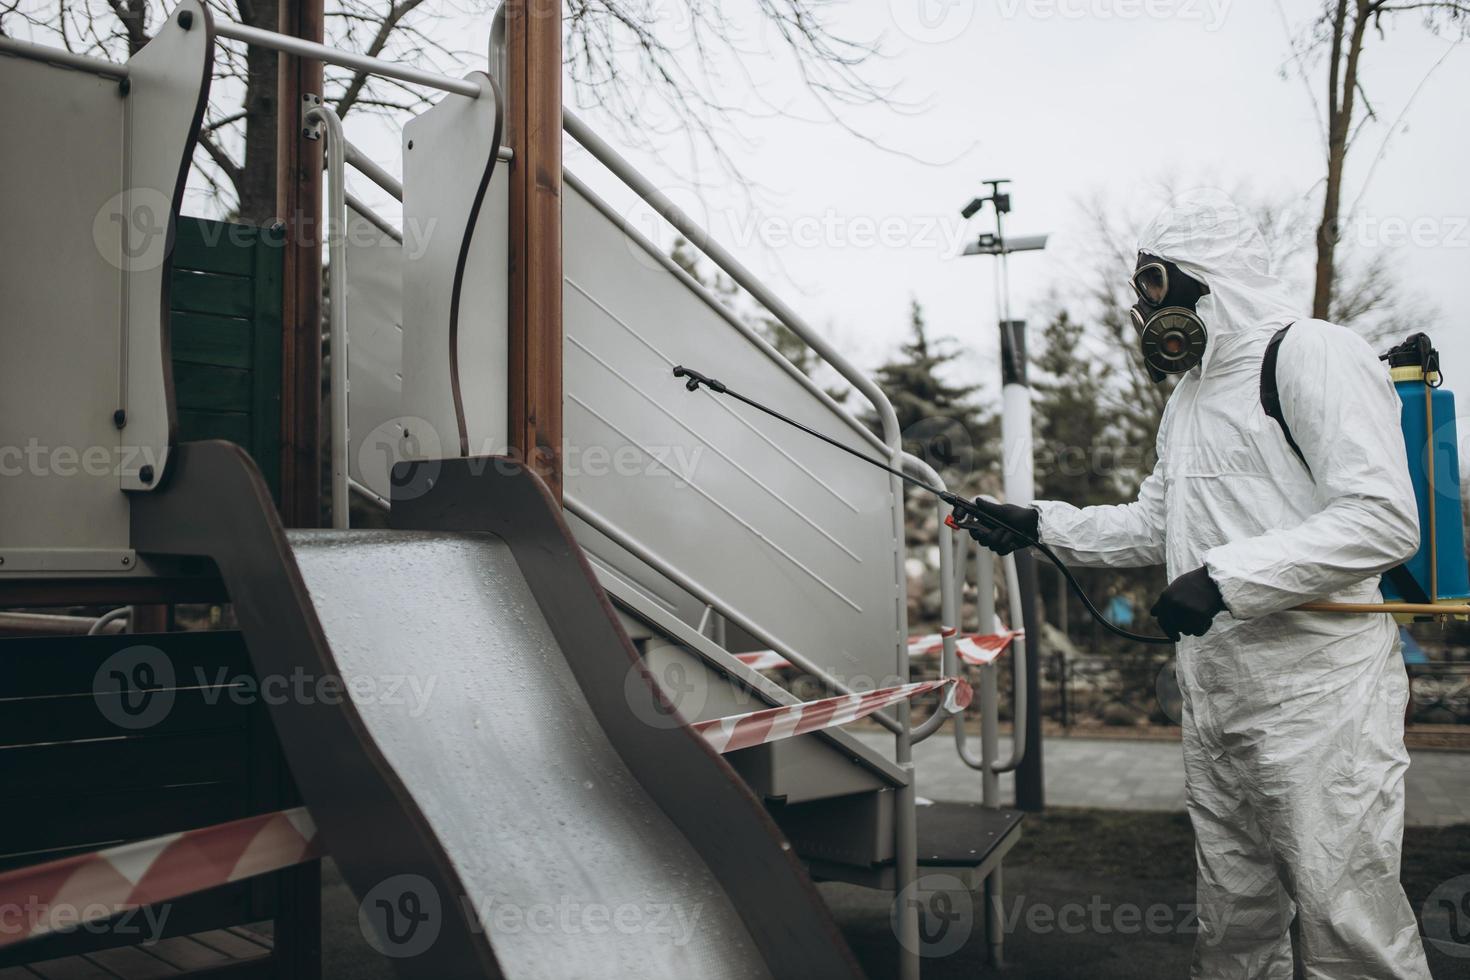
<point x="1271" y="394"/>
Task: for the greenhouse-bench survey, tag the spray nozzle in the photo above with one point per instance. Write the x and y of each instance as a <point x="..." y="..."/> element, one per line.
<point x="695" y="379"/>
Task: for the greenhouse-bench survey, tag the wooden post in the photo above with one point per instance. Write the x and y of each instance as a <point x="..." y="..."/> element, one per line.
<point x="533" y="131"/>
<point x="299" y="204"/>
<point x="297" y="954"/>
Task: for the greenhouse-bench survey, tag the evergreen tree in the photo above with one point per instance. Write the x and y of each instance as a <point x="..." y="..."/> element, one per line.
<point x="940" y="421"/>
<point x="1079" y="450"/>
<point x="1094" y="445"/>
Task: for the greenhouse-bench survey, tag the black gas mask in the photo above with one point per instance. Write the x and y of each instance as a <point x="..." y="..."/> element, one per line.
<point x="1172" y="336"/>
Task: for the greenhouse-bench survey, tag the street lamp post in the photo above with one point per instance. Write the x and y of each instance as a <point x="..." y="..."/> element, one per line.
<point x="1017" y="463"/>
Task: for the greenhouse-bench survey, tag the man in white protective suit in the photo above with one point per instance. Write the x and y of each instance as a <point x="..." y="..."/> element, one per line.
<point x="1293" y="722"/>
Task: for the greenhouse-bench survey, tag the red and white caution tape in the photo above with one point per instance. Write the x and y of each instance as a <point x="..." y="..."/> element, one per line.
<point x="773" y="724"/>
<point x="976" y="649"/>
<point x="82" y="888"/>
<point x="763" y="660"/>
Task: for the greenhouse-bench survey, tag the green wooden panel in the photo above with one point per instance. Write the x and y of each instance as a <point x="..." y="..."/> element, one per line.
<point x="225" y="300"/>
<point x="236" y="427"/>
<point x="215" y="246"/>
<point x="205" y="292"/>
<point x="201" y="338"/>
<point x="217" y="389"/>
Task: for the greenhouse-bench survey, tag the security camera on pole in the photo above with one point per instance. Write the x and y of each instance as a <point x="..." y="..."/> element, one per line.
<point x="1020" y="486"/>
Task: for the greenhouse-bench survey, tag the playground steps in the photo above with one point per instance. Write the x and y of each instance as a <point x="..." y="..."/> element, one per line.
<point x="237" y="953"/>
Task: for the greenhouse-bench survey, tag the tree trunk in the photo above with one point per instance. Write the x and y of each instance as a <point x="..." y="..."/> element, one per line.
<point x="1342" y="84"/>
<point x="255" y="187"/>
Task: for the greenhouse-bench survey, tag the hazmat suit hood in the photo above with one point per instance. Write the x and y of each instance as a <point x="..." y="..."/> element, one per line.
<point x="1218" y="242"/>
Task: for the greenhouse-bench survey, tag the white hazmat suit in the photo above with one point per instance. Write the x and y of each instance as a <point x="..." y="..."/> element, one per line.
<point x="1293" y="722"/>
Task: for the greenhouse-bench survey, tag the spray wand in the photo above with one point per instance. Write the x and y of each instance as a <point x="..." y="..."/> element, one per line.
<point x="975" y="518"/>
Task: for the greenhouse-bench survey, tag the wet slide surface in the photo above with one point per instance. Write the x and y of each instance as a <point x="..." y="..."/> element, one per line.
<point x="564" y="857"/>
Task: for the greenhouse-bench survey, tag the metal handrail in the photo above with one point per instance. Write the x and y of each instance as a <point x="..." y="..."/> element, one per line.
<point x="366" y="166"/>
<point x="372" y="217"/>
<point x="61" y="57"/>
<point x="337" y="309"/>
<point x="1019" y="692"/>
<point x="312" y="51"/>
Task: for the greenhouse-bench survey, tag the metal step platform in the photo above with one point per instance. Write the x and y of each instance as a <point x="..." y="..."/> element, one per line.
<point x="850" y="839"/>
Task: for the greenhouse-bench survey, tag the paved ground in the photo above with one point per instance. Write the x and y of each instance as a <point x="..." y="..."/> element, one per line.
<point x="1073" y="906"/>
<point x="1127" y="775"/>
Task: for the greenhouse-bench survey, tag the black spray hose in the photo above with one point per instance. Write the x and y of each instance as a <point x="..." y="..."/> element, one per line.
<point x="693" y="379"/>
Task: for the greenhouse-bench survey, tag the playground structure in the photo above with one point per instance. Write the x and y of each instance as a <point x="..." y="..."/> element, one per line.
<point x="562" y="633"/>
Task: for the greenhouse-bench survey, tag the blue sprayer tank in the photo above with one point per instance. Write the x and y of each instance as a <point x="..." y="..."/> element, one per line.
<point x="1440" y="567"/>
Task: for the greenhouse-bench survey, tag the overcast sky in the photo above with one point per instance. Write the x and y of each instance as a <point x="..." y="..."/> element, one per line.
<point x="1076" y="100"/>
<point x="1073" y="100"/>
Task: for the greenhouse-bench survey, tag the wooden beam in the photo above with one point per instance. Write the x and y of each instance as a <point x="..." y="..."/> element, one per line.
<point x="299" y="205"/>
<point x="533" y="131"/>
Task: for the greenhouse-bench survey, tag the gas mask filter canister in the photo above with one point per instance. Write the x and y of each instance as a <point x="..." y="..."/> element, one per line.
<point x="1171" y="334"/>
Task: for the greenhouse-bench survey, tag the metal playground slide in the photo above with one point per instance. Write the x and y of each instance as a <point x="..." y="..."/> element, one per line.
<point x="545" y="779"/>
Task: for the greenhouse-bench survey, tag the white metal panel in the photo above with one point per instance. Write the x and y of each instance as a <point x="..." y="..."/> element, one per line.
<point x="455" y="342"/>
<point x="168" y="85"/>
<point x="60" y="279"/>
<point x="375" y="352"/>
<point x="795" y="535"/>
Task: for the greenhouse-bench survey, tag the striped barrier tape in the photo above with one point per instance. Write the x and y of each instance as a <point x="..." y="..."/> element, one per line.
<point x="71" y="891"/>
<point x="773" y="724"/>
<point x="975" y="649"/>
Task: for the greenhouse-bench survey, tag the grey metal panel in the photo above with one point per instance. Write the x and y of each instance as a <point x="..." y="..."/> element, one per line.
<point x="60" y="326"/>
<point x="455" y="279"/>
<point x="794" y="535"/>
<point x="508" y="763"/>
<point x="375" y="352"/>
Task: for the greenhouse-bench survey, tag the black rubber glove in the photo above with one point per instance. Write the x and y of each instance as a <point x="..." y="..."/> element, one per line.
<point x="1027" y="520"/>
<point x="1189" y="605"/>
